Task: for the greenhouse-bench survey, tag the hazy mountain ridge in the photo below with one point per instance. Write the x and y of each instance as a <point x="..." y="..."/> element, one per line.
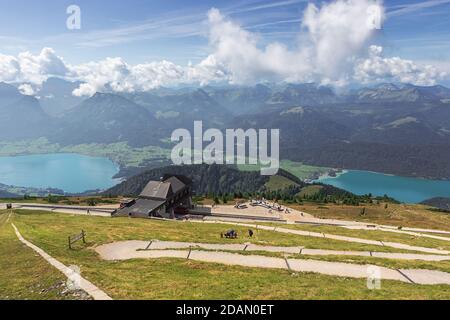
<point x="22" y="117"/>
<point x="400" y="129"/>
<point x="107" y="118"/>
<point x="56" y="96"/>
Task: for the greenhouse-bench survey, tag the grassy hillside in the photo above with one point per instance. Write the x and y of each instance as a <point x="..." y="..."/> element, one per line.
<point x="310" y="190"/>
<point x="207" y="179"/>
<point x="279" y="182"/>
<point x="403" y="215"/>
<point x="177" y="278"/>
<point x="298" y="169"/>
<point x="303" y="171"/>
<point x="23" y="274"/>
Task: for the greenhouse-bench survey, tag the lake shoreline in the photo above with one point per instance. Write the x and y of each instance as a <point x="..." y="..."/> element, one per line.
<point x="404" y="189"/>
<point x="71" y="173"/>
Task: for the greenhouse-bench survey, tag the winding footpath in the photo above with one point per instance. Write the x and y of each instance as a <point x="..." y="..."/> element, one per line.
<point x="387" y="229"/>
<point x="335" y="237"/>
<point x="155" y="249"/>
<point x="136" y="248"/>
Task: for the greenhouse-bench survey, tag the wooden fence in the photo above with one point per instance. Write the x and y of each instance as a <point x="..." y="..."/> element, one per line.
<point x="77" y="237"/>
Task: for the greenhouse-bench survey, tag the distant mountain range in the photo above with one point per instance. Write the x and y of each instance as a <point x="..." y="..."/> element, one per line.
<point x="21" y="117"/>
<point x="107" y="118"/>
<point x="398" y="129"/>
<point x="56" y="96"/>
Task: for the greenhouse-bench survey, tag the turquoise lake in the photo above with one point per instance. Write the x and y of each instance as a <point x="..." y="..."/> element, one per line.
<point x="410" y="190"/>
<point x="77" y="173"/>
<point x="69" y="172"/>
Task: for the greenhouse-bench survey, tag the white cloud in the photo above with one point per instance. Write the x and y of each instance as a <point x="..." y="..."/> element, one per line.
<point x="332" y="48"/>
<point x="26" y="89"/>
<point x="9" y="68"/>
<point x="377" y="68"/>
<point x="236" y="50"/>
<point x="209" y="70"/>
<point x="338" y="32"/>
<point x="333" y="36"/>
<point x="34" y="69"/>
<point x="115" y="74"/>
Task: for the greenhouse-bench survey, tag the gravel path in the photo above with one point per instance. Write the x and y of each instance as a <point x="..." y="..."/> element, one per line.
<point x="99" y="211"/>
<point x="140" y="249"/>
<point x="136" y="249"/>
<point x="335" y="237"/>
<point x="411" y="233"/>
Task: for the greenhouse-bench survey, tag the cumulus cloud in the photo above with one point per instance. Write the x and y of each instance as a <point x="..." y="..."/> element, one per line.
<point x="377" y="68"/>
<point x="34" y="69"/>
<point x="236" y="50"/>
<point x="333" y="47"/>
<point x="332" y="38"/>
<point x="209" y="70"/>
<point x="116" y="75"/>
<point x="337" y="33"/>
<point x="9" y="68"/>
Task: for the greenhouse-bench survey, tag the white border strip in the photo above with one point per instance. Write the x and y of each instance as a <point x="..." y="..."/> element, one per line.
<point x="85" y="285"/>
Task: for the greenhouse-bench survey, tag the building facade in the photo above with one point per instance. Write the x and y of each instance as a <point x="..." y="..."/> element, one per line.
<point x="170" y="196"/>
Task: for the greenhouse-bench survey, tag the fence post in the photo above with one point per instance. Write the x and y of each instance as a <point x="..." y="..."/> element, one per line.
<point x="83" y="233"/>
<point x="70" y="243"/>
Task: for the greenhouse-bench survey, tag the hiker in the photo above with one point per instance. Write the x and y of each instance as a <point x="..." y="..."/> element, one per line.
<point x="231" y="234"/>
<point x="250" y="233"/>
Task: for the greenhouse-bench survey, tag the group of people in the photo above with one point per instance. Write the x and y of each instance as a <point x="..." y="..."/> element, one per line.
<point x="271" y="207"/>
<point x="232" y="234"/>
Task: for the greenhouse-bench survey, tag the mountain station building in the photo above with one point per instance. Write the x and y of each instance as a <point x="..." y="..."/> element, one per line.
<point x="165" y="198"/>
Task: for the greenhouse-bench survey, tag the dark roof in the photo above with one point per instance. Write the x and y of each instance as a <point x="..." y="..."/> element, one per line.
<point x="180" y="177"/>
<point x="176" y="184"/>
<point x="162" y="190"/>
<point x="157" y="190"/>
<point x="142" y="206"/>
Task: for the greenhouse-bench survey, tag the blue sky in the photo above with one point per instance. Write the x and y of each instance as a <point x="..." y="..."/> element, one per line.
<point x="175" y="30"/>
<point x="140" y="31"/>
